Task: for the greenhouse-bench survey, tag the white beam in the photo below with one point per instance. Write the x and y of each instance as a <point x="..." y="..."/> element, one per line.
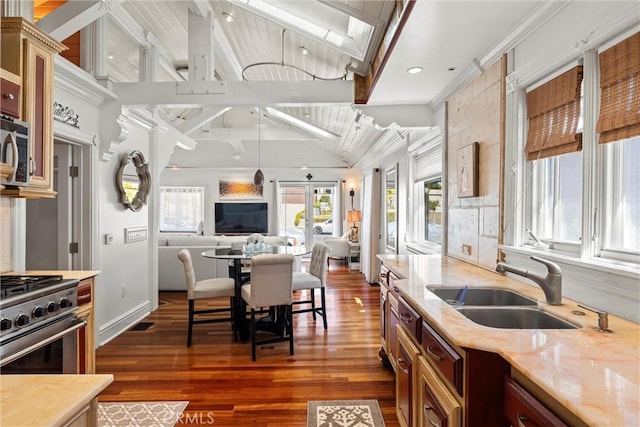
<point x="412" y="115"/>
<point x="206" y="116"/>
<point x="236" y="94"/>
<point x="250" y="134"/>
<point x="72" y="17"/>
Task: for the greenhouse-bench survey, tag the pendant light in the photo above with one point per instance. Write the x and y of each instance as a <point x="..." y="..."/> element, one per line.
<point x="258" y="178"/>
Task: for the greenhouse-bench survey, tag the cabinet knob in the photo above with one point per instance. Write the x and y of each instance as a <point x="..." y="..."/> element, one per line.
<point x="9" y="96"/>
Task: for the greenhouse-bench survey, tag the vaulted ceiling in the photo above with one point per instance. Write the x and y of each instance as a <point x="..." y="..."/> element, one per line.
<point x="451" y="40"/>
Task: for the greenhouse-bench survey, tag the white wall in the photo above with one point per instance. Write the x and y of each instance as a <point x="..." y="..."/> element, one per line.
<point x="122" y="264"/>
<point x="209" y="179"/>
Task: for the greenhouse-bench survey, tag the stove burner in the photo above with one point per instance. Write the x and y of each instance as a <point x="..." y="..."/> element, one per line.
<point x="20" y="284"/>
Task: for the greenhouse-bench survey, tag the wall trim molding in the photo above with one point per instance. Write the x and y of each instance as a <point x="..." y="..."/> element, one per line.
<point x="117" y="326"/>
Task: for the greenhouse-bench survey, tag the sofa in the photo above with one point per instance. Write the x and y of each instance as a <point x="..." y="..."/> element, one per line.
<point x="170" y="269"/>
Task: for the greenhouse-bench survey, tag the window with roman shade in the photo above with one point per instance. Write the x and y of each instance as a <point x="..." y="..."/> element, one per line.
<point x="553" y="112"/>
<point x="620" y="91"/>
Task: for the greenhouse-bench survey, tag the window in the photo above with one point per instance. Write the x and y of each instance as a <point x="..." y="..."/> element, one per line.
<point x="621" y="229"/>
<point x="433" y="208"/>
<point x="427" y="190"/>
<point x="181" y="209"/>
<point x="588" y="202"/>
<point x="554" y="144"/>
<point x="556" y="207"/>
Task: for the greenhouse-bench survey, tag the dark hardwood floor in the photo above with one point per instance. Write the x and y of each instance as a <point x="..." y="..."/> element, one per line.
<point x="222" y="384"/>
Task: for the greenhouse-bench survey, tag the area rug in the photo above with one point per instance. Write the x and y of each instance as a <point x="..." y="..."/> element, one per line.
<point x="140" y="414"/>
<point x="344" y="413"/>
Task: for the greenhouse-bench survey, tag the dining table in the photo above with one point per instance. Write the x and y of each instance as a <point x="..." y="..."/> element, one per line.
<point x="236" y="258"/>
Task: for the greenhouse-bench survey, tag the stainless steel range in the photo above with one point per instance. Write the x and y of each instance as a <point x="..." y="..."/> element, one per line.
<point x="36" y="314"/>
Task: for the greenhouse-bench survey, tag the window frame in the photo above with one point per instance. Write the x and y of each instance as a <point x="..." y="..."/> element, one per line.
<point x="594" y="184"/>
<point x="196" y="189"/>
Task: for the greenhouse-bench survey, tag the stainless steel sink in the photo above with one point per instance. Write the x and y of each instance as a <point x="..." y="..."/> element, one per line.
<point x="481" y="296"/>
<point x="515" y="318"/>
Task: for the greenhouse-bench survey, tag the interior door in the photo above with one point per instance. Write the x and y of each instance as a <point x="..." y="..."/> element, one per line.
<point x="307" y="212"/>
<point x="54" y="224"/>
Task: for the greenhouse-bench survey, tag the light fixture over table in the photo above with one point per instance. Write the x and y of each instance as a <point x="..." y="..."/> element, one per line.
<point x="258" y="178"/>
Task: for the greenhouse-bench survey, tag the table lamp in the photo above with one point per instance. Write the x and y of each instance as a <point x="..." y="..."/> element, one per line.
<point x="354" y="216"/>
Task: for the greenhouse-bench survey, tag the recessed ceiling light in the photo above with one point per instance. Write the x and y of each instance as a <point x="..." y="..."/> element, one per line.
<point x="305" y="51"/>
<point x="111" y="56"/>
<point x="227" y="16"/>
<point x="414" y="70"/>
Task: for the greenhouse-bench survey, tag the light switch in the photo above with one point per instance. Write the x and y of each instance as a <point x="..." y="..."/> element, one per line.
<point x="108" y="239"/>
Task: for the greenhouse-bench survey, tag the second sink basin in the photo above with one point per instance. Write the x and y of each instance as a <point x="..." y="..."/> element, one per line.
<point x="481" y="296"/>
<point x="514" y="318"/>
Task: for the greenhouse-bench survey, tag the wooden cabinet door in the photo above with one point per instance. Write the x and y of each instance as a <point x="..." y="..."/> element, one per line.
<point x="38" y="111"/>
<point x="407" y="355"/>
<point x="436" y="406"/>
<point x="522" y="409"/>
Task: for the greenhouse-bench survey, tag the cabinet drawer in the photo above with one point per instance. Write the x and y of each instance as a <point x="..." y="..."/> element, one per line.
<point x="9" y="98"/>
<point x="410" y="319"/>
<point x="523" y="409"/>
<point x="442" y="356"/>
<point x="437" y="406"/>
<point x="84" y="292"/>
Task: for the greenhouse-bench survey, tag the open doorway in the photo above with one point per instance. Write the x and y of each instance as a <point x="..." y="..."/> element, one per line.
<point x="57" y="229"/>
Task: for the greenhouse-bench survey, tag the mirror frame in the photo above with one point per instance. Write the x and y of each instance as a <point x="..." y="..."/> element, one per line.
<point x="142" y="169"/>
<point x="392" y="245"/>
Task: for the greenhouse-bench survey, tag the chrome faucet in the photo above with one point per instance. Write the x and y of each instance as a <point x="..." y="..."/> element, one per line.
<point x="551" y="284"/>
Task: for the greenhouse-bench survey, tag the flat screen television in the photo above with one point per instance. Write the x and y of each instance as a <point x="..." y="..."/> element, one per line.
<point x="241" y="218"/>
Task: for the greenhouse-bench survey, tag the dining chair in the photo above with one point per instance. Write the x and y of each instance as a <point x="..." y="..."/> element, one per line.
<point x="271" y="286"/>
<point x="339" y="249"/>
<point x="314" y="279"/>
<point x="205" y="289"/>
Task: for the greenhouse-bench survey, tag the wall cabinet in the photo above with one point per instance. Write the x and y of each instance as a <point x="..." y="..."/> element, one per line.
<point x="28" y="53"/>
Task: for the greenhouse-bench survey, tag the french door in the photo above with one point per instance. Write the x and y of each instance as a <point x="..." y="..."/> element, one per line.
<point x="308" y="212"/>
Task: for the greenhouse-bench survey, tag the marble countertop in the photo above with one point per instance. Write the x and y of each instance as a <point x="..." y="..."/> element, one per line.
<point x="58" y="397"/>
<point x="594" y="375"/>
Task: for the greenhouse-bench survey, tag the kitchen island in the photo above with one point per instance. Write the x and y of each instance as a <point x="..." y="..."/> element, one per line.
<point x="588" y="377"/>
<point x="57" y="400"/>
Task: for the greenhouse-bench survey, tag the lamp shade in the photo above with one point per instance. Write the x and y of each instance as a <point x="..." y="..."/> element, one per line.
<point x="354" y="216"/>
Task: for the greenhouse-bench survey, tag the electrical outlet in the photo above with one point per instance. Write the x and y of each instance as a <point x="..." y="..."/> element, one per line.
<point x="466" y="249"/>
<point x="123" y="291"/>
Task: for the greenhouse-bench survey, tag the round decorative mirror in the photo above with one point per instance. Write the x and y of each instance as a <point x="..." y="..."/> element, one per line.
<point x="133" y="181"/>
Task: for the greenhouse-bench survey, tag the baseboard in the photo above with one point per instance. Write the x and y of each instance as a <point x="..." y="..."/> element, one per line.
<point x="120" y="324"/>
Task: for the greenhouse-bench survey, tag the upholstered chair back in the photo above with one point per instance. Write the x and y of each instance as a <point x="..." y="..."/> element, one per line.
<point x="271" y="280"/>
<point x="318" y="263"/>
<point x="189" y="273"/>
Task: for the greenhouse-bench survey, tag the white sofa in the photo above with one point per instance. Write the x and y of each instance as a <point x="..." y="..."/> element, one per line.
<point x="170" y="269"/>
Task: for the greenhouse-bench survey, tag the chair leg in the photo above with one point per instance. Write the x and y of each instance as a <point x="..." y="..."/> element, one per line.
<point x="190" y="327"/>
<point x="290" y="316"/>
<point x="323" y="308"/>
<point x="313" y="303"/>
<point x="253" y="335"/>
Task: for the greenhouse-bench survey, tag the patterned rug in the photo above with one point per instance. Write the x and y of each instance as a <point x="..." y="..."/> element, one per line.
<point x="139" y="414"/>
<point x="344" y="413"/>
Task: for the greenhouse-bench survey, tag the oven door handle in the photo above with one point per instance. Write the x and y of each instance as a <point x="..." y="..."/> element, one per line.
<point x="80" y="324"/>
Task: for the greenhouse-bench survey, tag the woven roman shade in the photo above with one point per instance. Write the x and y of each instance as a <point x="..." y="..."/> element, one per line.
<point x="553" y="110"/>
<point x="620" y="91"/>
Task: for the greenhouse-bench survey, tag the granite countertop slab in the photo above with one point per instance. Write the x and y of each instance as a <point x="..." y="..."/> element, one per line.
<point x="594" y="375"/>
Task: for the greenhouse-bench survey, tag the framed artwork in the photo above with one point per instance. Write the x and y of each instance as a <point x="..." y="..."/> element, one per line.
<point x="467" y="171"/>
<point x="238" y="189"/>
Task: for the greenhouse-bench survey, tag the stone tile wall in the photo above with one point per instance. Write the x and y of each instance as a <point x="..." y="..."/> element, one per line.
<point x="474" y="115"/>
